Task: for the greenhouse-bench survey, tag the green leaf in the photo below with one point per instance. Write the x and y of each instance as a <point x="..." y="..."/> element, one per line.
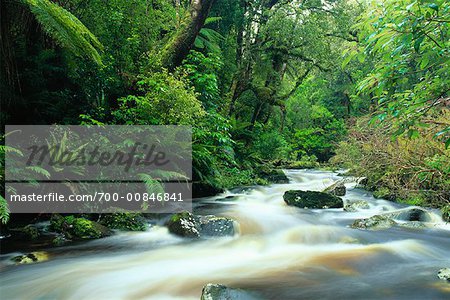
<point x="433" y="6"/>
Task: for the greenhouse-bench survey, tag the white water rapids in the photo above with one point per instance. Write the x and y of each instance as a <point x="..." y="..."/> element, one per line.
<point x="282" y="252"/>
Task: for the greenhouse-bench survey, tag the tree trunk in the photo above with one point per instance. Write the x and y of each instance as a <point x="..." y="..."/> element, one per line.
<point x="180" y="45"/>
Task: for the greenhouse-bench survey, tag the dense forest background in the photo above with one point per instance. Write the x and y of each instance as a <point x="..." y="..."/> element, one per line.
<point x="264" y="83"/>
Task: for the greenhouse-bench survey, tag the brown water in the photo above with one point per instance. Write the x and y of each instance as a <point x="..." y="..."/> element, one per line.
<point x="281" y="252"/>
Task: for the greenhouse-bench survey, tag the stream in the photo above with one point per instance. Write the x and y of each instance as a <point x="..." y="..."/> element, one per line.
<point x="282" y="252"/>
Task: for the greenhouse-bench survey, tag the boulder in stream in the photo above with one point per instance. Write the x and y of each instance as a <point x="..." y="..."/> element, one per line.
<point x="410" y="214"/>
<point x="312" y="199"/>
<point x="187" y="225"/>
<point x="362" y="181"/>
<point x="376" y="222"/>
<point x="352" y="206"/>
<point x="337" y="189"/>
<point x="183" y="224"/>
<point x="78" y="228"/>
<point x="215" y="226"/>
<point x="444" y="274"/>
<point x="221" y="292"/>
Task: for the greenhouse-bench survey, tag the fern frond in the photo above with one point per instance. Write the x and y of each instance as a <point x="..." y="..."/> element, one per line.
<point x="4" y="211"/>
<point x="66" y="29"/>
<point x="210" y="20"/>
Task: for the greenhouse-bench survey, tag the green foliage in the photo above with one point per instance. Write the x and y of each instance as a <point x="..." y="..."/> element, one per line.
<point x="409" y="40"/>
<point x="202" y="72"/>
<point x="415" y="171"/>
<point x="124" y="221"/>
<point x="166" y="99"/>
<point x="271" y="145"/>
<point x="74" y="227"/>
<point x="66" y="29"/>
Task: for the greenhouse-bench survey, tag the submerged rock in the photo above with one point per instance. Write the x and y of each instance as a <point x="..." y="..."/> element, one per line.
<point x="187" y="225"/>
<point x="312" y="199"/>
<point x="30" y="258"/>
<point x="376" y="222"/>
<point x="444" y="274"/>
<point x="337" y="189"/>
<point x="221" y="292"/>
<point x="353" y="206"/>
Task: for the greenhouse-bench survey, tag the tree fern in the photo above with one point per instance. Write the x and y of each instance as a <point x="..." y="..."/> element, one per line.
<point x="66" y="29"/>
<point x="208" y="38"/>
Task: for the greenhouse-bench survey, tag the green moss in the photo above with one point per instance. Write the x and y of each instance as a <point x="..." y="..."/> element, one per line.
<point x="125" y="221"/>
<point x="416" y="200"/>
<point x="382" y="192"/>
<point x="31" y="232"/>
<point x="73" y="227"/>
<point x="446" y="213"/>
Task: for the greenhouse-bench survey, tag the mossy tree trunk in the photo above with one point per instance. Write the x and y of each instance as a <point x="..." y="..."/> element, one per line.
<point x="181" y="43"/>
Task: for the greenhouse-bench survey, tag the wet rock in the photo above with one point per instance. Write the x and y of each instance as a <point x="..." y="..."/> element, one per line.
<point x="376" y="222"/>
<point x="353" y="206"/>
<point x="78" y="228"/>
<point x="127" y="221"/>
<point x="413" y="225"/>
<point x="337" y="189"/>
<point x="216" y="226"/>
<point x="444" y="274"/>
<point x="274" y="176"/>
<point x="187" y="225"/>
<point x="183" y="224"/>
<point x="362" y="181"/>
<point x="410" y="214"/>
<point x="203" y="189"/>
<point x="222" y="292"/>
<point x="30" y="258"/>
<point x="312" y="199"/>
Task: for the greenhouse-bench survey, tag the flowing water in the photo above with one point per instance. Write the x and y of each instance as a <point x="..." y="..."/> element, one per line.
<point x="281" y="252"/>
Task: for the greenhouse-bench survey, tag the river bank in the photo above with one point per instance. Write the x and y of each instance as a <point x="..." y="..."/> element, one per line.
<point x="278" y="252"/>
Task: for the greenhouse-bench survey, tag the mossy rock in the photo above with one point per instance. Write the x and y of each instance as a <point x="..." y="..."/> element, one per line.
<point x="376" y="222"/>
<point x="78" y="228"/>
<point x="273" y="175"/>
<point x="183" y="224"/>
<point x="33" y="257"/>
<point x="59" y="240"/>
<point x="312" y="199"/>
<point x="127" y="221"/>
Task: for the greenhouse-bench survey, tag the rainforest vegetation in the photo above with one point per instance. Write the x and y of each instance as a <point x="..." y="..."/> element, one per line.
<point x="265" y="84"/>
